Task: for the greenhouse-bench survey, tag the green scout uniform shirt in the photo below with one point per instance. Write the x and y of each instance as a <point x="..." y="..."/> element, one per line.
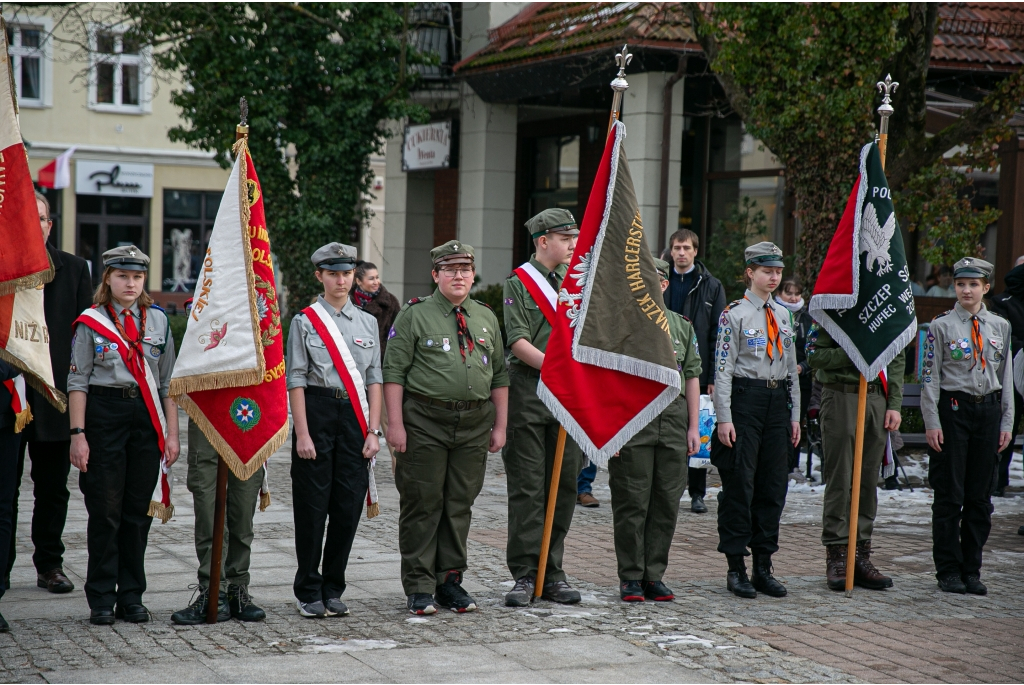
<point x="417" y="359"/>
<point x="684" y="342"/>
<point x="833" y="365"/>
<point x="523" y="317"/>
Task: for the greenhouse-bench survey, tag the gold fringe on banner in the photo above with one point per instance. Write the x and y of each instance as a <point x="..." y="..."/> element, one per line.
<point x="159" y="511"/>
<point x="54" y="396"/>
<point x="22" y="419"/>
<point x="264" y="501"/>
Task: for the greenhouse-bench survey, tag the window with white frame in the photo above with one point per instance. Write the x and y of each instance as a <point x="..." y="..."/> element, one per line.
<point x="118" y="81"/>
<point x="27" y="59"/>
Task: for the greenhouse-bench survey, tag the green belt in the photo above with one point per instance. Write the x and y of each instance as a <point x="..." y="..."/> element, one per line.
<point x="456" y="405"/>
<point x="854" y="389"/>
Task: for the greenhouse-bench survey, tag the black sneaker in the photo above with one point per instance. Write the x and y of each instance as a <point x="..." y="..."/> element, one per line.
<point x="5" y="627"/>
<point x="240" y="603"/>
<point x="335" y="607"/>
<point x="973" y="584"/>
<point x="421" y="604"/>
<point x="451" y="595"/>
<point x="195" y="613"/>
<point x="658" y="591"/>
<point x="697" y="506"/>
<point x="311" y="609"/>
<point x="951" y="582"/>
<point x="522" y="593"/>
<point x="560" y="591"/>
<point x="631" y="591"/>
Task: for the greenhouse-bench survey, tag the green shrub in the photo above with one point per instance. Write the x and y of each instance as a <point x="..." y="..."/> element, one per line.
<point x="492" y="296"/>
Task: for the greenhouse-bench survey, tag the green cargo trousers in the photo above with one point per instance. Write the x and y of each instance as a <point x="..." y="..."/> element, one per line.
<point x="838" y="432"/>
<point x="438" y="478"/>
<point x="529" y="455"/>
<point x="243" y="496"/>
<point x="647" y="479"/>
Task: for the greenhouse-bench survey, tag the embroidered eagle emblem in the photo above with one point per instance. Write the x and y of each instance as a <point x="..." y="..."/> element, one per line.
<point x="875" y="239"/>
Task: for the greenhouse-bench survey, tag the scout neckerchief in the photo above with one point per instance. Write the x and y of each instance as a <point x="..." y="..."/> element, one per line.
<point x="465" y="339"/>
<point x="160" y="506"/>
<point x="774" y="343"/>
<point x="327" y="328"/>
<point x="19" y="403"/>
<point x="979" y="343"/>
<point x="130" y="334"/>
<point x="540" y="289"/>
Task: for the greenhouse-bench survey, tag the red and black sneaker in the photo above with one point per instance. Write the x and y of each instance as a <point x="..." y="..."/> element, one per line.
<point x="631" y="591"/>
<point x="451" y="595"/>
<point x="658" y="591"/>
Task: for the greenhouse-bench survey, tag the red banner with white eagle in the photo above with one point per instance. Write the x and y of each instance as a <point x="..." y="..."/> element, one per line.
<point x="230" y="375"/>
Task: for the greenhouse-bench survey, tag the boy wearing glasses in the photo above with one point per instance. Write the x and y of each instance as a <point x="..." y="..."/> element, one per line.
<point x="446" y="392"/>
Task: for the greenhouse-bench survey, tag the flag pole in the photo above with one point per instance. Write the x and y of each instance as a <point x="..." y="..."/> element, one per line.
<point x="220" y="503"/>
<point x="885" y="110"/>
<point x="618" y="86"/>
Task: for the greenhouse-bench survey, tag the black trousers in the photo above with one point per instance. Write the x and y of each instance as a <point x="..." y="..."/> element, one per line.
<point x="1006" y="456"/>
<point x="754" y="471"/>
<point x="118" y="483"/>
<point x="333" y="484"/>
<point x="51" y="463"/>
<point x="9" y="442"/>
<point x="698" y="482"/>
<point x="961" y="476"/>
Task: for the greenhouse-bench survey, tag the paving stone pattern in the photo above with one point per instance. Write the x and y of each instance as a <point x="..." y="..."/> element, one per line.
<point x="912" y="633"/>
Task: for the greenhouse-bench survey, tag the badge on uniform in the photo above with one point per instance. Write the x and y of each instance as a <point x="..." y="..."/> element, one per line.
<point x="391" y="333"/>
<point x="787" y="343"/>
<point x="757" y="342"/>
<point x="484" y="359"/>
<point x="482" y="341"/>
<point x="430" y="343"/>
<point x="155" y="351"/>
<point x="113" y="346"/>
<point x="446" y="344"/>
<point x="509" y="300"/>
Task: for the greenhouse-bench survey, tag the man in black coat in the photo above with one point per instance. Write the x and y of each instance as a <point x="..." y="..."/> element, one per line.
<point x="700" y="297"/>
<point x="48" y="436"/>
<point x="1009" y="304"/>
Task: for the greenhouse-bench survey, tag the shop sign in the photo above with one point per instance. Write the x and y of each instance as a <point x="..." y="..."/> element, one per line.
<point x="427" y="147"/>
<point x="113" y="178"/>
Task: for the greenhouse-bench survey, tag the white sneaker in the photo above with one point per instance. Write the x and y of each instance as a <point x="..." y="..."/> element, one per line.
<point x="311" y="609"/>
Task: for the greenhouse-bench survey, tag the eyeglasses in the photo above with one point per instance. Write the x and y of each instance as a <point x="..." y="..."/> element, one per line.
<point x="452" y="271"/>
<point x="44" y="219"/>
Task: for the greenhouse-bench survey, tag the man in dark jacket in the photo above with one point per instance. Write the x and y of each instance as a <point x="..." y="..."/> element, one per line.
<point x="700" y="297"/>
<point x="1009" y="304"/>
<point x="48" y="438"/>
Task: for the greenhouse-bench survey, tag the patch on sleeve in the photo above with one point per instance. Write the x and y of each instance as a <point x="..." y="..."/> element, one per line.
<point x="391" y="333"/>
<point x="508" y="301"/>
<point x="416" y="300"/>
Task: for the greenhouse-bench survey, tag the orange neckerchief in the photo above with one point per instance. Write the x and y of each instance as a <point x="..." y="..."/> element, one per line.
<point x="979" y="343"/>
<point x="774" y="343"/>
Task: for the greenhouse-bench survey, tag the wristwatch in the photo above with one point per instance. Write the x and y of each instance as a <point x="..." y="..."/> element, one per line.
<point x="77" y="431"/>
<point x="376" y="431"/>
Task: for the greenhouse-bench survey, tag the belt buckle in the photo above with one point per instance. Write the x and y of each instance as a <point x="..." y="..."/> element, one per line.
<point x="977" y="399"/>
<point x="460" y="405"/>
<point x="133" y="391"/>
<point x="772" y="383"/>
<point x="339" y="394"/>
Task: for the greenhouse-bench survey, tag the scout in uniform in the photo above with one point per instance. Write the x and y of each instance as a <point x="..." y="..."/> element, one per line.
<point x="967" y="405"/>
<point x="840" y="381"/>
<point x="446" y="389"/>
<point x="334" y="386"/>
<point x="122" y="424"/>
<point x="757" y="401"/>
<point x="648" y="476"/>
<point x="531" y="292"/>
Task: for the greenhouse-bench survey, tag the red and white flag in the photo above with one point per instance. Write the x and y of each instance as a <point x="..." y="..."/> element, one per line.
<point x="57" y="174"/>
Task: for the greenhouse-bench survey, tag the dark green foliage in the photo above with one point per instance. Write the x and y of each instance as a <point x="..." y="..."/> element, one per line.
<point x="745" y="226"/>
<point x="321" y="80"/>
<point x="492" y="296"/>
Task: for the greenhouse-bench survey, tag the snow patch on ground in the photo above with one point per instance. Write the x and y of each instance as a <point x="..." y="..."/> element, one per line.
<point x="321" y="645"/>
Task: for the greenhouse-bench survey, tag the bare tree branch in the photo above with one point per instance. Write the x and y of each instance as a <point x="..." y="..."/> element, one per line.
<point x="699" y="21"/>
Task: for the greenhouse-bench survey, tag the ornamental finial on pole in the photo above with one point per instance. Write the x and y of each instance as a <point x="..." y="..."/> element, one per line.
<point x="885" y="110"/>
<point x="243" y="118"/>
<point x="622" y="59"/>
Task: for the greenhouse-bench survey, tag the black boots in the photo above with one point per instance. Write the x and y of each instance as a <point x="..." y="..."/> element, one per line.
<point x="737" y="580"/>
<point x="763" y="580"/>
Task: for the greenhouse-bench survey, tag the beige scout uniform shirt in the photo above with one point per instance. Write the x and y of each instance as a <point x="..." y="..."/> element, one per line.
<point x="309" y="361"/>
<point x="952" y="363"/>
<point x="742" y="352"/>
<point x="96" y="361"/>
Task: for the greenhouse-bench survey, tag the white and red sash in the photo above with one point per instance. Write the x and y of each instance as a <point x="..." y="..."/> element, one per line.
<point x="160" y="506"/>
<point x="19" y="403"/>
<point x="345" y="364"/>
<point x="540" y="290"/>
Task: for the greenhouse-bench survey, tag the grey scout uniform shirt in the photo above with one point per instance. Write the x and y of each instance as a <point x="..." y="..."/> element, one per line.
<point x="309" y="361"/>
<point x="741" y="351"/>
<point x="951" y="362"/>
<point x="95" y="360"/>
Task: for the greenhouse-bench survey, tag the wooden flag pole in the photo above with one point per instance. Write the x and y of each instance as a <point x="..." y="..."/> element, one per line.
<point x="619" y="86"/>
<point x="220" y="504"/>
<point x="887" y="87"/>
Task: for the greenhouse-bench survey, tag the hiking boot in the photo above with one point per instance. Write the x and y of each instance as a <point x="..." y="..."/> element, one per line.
<point x="587" y="500"/>
<point x="972" y="581"/>
<point x="195" y="613"/>
<point x="835" y="567"/>
<point x="421" y="604"/>
<point x="697" y="505"/>
<point x="522" y="594"/>
<point x="951" y="582"/>
<point x="335" y="607"/>
<point x="241" y="604"/>
<point x="658" y="591"/>
<point x="763" y="580"/>
<point x="311" y="609"/>
<point x="560" y="591"/>
<point x="737" y="580"/>
<point x="864" y="572"/>
<point x="631" y="591"/>
<point x="451" y="595"/>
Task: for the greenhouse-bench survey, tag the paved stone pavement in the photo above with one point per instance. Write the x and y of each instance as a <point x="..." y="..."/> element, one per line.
<point x="912" y="633"/>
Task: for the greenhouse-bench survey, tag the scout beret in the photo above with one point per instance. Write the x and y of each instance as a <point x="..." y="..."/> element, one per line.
<point x="452" y="252"/>
<point x="662" y="268"/>
<point x="763" y="254"/>
<point x="335" y="257"/>
<point x="554" y="220"/>
<point x="970" y="267"/>
<point x="127" y="257"/>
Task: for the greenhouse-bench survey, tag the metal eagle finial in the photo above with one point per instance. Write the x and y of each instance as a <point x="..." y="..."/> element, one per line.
<point x="243" y="110"/>
<point x="886" y="88"/>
